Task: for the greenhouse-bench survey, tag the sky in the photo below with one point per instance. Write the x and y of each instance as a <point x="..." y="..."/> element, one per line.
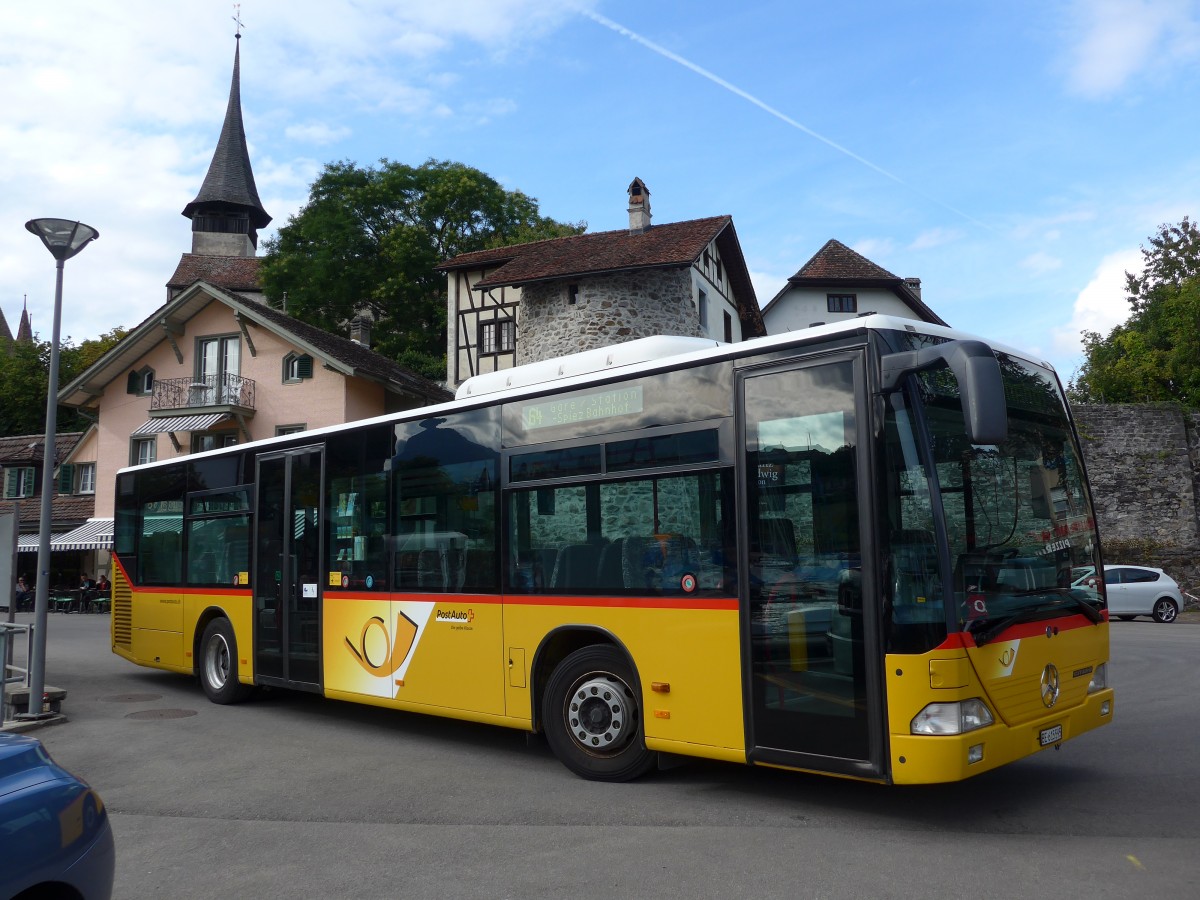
<point x="1014" y="156"/>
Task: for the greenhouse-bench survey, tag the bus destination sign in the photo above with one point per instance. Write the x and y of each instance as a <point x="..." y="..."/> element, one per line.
<point x="582" y="408"/>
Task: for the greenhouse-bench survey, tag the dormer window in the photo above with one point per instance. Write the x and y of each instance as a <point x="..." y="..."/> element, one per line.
<point x="141" y="382"/>
<point x="297" y="367"/>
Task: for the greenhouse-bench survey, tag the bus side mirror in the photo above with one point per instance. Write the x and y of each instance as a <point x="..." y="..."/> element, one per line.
<point x="979" y="383"/>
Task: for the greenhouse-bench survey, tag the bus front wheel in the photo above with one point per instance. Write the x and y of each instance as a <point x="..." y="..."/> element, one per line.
<point x="218" y="664"/>
<point x="593" y="718"/>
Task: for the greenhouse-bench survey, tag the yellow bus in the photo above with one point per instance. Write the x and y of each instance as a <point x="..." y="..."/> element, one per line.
<point x="846" y="550"/>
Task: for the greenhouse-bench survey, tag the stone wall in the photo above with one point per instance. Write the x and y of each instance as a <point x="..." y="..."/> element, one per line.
<point x="1143" y="463"/>
<point x="608" y="309"/>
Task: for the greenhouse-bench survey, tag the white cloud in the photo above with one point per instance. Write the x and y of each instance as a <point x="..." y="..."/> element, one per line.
<point x="111" y="113"/>
<point x="1101" y="304"/>
<point x="1040" y="263"/>
<point x="1119" y="39"/>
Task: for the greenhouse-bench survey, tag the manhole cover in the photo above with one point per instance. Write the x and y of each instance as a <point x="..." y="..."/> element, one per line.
<point x="161" y="714"/>
<point x="131" y="698"/>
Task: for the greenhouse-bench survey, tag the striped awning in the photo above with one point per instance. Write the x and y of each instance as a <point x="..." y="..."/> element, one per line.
<point x="180" y="423"/>
<point x="28" y="543"/>
<point x="94" y="534"/>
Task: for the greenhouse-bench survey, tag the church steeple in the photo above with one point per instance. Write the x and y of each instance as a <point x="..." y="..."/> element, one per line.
<point x="227" y="213"/>
<point x="25" y="326"/>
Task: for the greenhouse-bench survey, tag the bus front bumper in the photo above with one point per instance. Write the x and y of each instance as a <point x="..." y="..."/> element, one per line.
<point x="932" y="759"/>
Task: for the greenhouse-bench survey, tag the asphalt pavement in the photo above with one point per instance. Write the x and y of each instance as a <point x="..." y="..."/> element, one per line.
<point x="294" y="795"/>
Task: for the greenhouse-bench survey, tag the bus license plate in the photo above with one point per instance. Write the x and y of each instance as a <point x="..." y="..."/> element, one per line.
<point x="1051" y="735"/>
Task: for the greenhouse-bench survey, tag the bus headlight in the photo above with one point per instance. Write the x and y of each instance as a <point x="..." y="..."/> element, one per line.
<point x="952" y="718"/>
<point x="1099" y="679"/>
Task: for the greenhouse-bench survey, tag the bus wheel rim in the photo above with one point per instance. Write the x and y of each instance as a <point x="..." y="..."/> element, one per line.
<point x="216" y="661"/>
<point x="599" y="713"/>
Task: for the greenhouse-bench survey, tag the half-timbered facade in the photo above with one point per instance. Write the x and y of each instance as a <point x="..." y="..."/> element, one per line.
<point x="513" y="305"/>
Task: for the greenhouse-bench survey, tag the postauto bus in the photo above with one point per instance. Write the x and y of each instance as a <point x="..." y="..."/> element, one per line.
<point x="844" y="550"/>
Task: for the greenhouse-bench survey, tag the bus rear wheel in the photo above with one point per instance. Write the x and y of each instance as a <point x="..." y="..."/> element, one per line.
<point x="593" y="717"/>
<point x="218" y="664"/>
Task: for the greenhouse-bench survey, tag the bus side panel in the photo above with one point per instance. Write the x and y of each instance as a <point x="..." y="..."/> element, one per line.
<point x="441" y="650"/>
<point x="236" y="607"/>
<point x="688" y="646"/>
<point x="157" y="627"/>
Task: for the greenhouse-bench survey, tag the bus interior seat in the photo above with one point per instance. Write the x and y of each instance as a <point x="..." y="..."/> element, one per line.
<point x="610" y="574"/>
<point x="480" y="570"/>
<point x="236" y="557"/>
<point x="576" y="566"/>
<point x="161" y="557"/>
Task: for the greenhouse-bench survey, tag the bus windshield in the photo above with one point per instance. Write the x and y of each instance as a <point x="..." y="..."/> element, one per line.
<point x="1016" y="516"/>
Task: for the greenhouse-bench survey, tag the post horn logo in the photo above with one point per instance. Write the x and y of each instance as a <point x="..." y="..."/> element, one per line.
<point x="1050" y="686"/>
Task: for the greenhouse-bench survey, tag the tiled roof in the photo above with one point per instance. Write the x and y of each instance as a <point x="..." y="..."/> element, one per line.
<point x="836" y="265"/>
<point x="27" y="449"/>
<point x="231" y="273"/>
<point x="363" y="360"/>
<point x="836" y="260"/>
<point x="69" y="510"/>
<point x="230" y="178"/>
<point x="672" y="244"/>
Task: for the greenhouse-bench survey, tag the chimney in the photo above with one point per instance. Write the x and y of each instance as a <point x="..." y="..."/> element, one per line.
<point x="639" y="207"/>
<point x="360" y="329"/>
<point x="914" y="285"/>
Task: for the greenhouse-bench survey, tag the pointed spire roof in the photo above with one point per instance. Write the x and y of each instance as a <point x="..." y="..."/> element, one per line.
<point x="6" y="337"/>
<point x="24" y="327"/>
<point x="230" y="180"/>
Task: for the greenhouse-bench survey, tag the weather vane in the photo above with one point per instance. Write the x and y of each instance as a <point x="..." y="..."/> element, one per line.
<point x="237" y="17"/>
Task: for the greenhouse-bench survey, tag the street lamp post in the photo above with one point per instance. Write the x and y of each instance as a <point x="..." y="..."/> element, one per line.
<point x="63" y="238"/>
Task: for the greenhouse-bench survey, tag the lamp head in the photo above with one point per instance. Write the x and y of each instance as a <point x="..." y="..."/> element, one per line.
<point x="62" y="237"/>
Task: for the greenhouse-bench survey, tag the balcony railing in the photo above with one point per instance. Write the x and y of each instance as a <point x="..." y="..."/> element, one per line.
<point x="208" y="391"/>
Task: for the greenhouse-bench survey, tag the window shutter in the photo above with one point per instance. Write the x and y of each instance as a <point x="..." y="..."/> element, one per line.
<point x="28" y="482"/>
<point x="304" y="366"/>
<point x="133" y="384"/>
<point x="10" y="482"/>
<point x="66" y="478"/>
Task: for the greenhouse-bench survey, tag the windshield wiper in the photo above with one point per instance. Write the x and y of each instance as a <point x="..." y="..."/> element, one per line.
<point x="989" y="630"/>
<point x="1068" y="593"/>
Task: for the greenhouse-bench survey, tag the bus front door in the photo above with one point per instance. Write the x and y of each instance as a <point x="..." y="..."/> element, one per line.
<point x="811" y="678"/>
<point x="287" y="583"/>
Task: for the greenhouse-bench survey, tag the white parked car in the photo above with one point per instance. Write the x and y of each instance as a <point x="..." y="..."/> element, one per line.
<point x="1135" y="591"/>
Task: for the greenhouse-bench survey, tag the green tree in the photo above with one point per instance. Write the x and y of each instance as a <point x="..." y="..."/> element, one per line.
<point x="1171" y="260"/>
<point x="1155" y="354"/>
<point x="370" y="238"/>
<point x="24" y="377"/>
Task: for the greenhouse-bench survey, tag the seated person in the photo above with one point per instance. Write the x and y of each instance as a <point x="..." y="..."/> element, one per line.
<point x="22" y="595"/>
<point x="102" y="585"/>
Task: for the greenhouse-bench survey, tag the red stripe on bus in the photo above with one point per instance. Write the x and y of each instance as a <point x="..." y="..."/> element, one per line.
<point x="190" y="591"/>
<point x="719" y="603"/>
<point x="1035" y="629"/>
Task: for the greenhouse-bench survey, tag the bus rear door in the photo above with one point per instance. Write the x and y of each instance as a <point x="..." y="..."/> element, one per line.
<point x="287" y="582"/>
